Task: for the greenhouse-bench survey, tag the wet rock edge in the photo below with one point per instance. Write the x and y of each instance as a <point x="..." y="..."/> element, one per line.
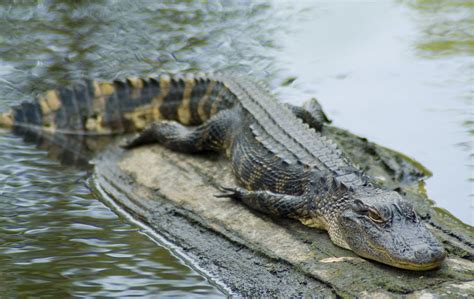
<point x="247" y="269"/>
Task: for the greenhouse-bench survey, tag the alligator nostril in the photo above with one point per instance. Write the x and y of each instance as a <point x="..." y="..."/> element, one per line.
<point x="422" y="254"/>
<point x="429" y="255"/>
<point x="438" y="254"/>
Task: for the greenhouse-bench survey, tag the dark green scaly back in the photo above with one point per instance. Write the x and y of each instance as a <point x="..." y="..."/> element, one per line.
<point x="285" y="135"/>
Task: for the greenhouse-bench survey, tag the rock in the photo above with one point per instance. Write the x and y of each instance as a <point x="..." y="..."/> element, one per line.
<point x="250" y="254"/>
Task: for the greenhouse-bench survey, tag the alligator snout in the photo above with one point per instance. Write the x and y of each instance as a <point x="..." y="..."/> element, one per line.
<point x="430" y="255"/>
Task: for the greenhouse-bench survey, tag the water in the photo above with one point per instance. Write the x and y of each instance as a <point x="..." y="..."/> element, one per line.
<point x="398" y="72"/>
<point x="60" y="241"/>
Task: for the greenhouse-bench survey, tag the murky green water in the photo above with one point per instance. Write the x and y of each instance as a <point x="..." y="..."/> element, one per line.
<point x="398" y="72"/>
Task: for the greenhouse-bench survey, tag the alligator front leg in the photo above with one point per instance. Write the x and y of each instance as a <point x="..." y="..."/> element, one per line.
<point x="311" y="113"/>
<point x="270" y="203"/>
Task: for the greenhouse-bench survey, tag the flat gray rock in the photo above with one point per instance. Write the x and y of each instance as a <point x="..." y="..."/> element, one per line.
<point x="248" y="253"/>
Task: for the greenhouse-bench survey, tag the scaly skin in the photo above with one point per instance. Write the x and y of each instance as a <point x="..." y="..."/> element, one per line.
<point x="286" y="168"/>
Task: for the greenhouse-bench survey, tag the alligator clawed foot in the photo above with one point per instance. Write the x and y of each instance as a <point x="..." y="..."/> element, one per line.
<point x="127" y="143"/>
<point x="229" y="192"/>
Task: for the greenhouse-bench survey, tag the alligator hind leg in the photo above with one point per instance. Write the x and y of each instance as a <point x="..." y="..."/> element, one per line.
<point x="311" y="113"/>
<point x="210" y="136"/>
<point x="270" y="203"/>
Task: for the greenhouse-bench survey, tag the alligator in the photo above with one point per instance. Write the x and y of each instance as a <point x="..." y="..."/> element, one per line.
<point x="284" y="166"/>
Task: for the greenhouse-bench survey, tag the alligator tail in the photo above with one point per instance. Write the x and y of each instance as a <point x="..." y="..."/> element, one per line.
<point x="103" y="108"/>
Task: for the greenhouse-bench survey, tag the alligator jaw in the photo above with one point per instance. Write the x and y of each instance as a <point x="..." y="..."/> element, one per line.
<point x="389" y="260"/>
<point x="419" y="267"/>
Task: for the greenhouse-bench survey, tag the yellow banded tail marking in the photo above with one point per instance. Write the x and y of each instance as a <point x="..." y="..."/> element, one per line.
<point x="143" y="116"/>
<point x="217" y="101"/>
<point x="43" y="103"/>
<point x="135" y="82"/>
<point x="203" y="101"/>
<point x="98" y="103"/>
<point x="6" y="119"/>
<point x="137" y="86"/>
<point x="49" y="102"/>
<point x="106" y="88"/>
<point x="102" y="90"/>
<point x="184" y="112"/>
<point x="158" y="101"/>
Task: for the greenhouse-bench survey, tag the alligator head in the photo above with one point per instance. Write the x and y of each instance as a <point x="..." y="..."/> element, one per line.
<point x="383" y="226"/>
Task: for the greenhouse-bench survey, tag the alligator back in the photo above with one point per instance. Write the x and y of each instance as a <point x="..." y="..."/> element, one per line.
<point x="102" y="108"/>
<point x="281" y="133"/>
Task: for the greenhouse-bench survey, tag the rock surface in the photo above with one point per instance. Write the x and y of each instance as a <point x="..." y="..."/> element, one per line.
<point x="251" y="254"/>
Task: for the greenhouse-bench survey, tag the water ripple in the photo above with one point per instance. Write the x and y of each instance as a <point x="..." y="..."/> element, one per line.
<point x="58" y="240"/>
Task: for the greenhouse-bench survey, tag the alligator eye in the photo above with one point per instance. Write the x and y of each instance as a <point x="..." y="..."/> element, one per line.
<point x="375" y="217"/>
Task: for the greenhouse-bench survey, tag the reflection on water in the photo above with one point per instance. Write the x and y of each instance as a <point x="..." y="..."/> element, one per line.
<point x="446" y="27"/>
<point x="447" y="35"/>
<point x="68" y="150"/>
<point x="57" y="239"/>
<point x="64" y="41"/>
